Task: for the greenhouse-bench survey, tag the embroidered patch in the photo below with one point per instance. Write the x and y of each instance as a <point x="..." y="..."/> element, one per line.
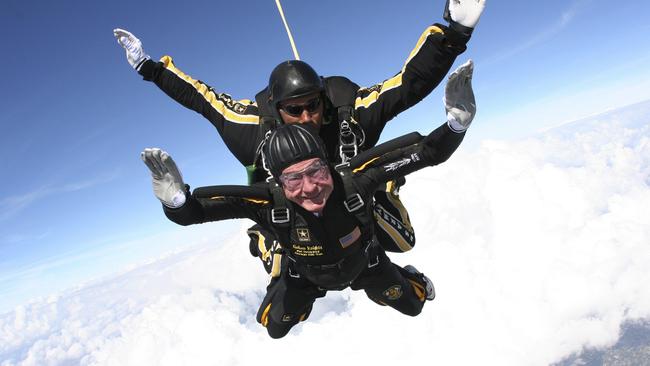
<point x="393" y="293"/>
<point x="307" y="250"/>
<point x="303" y="234"/>
<point x="400" y="163"/>
<point x="350" y="238"/>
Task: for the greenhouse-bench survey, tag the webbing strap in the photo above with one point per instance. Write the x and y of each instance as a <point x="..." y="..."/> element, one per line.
<point x="353" y="201"/>
<point x="281" y="211"/>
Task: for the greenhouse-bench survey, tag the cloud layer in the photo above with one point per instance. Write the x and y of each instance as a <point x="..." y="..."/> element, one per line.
<point x="537" y="248"/>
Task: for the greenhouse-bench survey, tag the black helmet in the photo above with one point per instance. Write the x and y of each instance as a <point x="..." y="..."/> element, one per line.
<point x="289" y="144"/>
<point x="292" y="79"/>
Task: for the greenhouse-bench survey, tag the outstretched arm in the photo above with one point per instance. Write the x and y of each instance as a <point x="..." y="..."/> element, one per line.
<point x="434" y="148"/>
<point x="426" y="66"/>
<point x="205" y="204"/>
<point x="237" y="121"/>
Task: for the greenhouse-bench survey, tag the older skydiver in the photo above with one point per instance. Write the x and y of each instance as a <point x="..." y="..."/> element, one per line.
<point x="322" y="213"/>
<point x="350" y="118"/>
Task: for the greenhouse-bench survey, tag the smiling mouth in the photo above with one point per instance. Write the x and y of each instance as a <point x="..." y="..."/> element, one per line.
<point x="317" y="197"/>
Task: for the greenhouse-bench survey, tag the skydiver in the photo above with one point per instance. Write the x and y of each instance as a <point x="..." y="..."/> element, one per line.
<point x="321" y="212"/>
<point x="349" y="118"/>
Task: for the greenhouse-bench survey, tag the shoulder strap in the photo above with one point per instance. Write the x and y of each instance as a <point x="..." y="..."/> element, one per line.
<point x="353" y="201"/>
<point x="255" y="172"/>
<point x="342" y="94"/>
<point x="267" y="119"/>
<point x="281" y="213"/>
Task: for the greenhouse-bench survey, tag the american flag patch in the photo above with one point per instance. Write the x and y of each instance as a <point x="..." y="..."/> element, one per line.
<point x="350" y="238"/>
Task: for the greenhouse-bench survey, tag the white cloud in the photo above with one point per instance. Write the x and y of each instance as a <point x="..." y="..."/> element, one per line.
<point x="537" y="248"/>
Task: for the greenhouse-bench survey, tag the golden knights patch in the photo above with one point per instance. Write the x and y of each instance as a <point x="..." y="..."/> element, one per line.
<point x="303" y="234"/>
<point x="393" y="293"/>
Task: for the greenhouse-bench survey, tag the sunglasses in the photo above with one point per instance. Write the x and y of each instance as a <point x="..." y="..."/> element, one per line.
<point x="316" y="171"/>
<point x="295" y="110"/>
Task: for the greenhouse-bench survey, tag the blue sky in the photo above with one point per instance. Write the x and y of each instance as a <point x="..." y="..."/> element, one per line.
<point x="75" y="200"/>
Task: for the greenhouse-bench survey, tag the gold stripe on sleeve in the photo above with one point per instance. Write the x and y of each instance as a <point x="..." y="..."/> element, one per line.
<point x="396" y="80"/>
<point x="262" y="202"/>
<point x="362" y="167"/>
<point x="252" y="200"/>
<point x="218" y="103"/>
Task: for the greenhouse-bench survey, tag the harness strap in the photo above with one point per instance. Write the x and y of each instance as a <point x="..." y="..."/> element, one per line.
<point x="267" y="117"/>
<point x="342" y="93"/>
<point x="353" y="201"/>
<point x="281" y="213"/>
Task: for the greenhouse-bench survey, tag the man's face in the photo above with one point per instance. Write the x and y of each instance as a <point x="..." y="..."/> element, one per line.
<point x="307" y="109"/>
<point x="308" y="183"/>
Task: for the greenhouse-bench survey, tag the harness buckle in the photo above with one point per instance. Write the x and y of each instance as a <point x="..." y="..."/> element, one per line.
<point x="353" y="202"/>
<point x="369" y="244"/>
<point x="348" y="151"/>
<point x="292" y="274"/>
<point x="280" y="215"/>
<point x="348" y="147"/>
<point x="339" y="167"/>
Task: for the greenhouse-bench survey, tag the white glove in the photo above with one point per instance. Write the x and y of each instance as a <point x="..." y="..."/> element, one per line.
<point x="464" y="12"/>
<point x="133" y="47"/>
<point x="167" y="180"/>
<point x="459" y="98"/>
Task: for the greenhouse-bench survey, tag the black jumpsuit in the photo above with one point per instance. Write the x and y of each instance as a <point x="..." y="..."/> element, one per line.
<point x="238" y="123"/>
<point x="333" y="250"/>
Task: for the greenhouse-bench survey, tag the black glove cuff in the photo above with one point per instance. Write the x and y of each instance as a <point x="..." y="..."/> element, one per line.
<point x="454" y="39"/>
<point x="465" y="31"/>
<point x="147" y="69"/>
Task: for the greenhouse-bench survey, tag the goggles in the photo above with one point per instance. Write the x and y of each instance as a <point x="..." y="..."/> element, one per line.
<point x="316" y="171"/>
